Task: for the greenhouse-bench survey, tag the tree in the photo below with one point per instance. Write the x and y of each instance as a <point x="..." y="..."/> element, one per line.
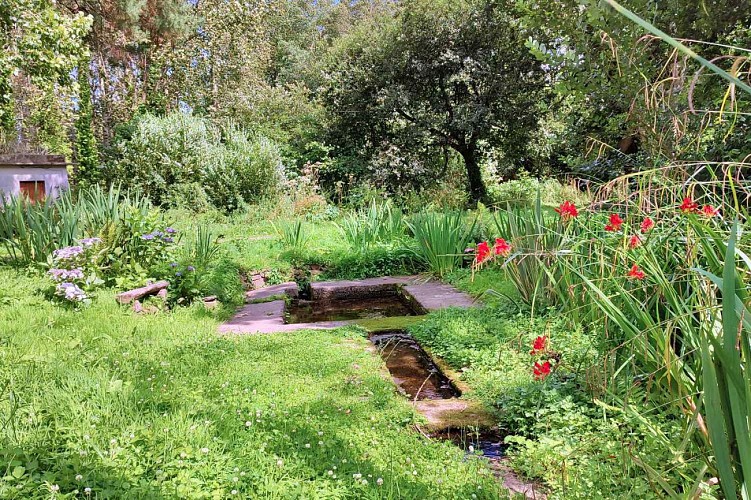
<point x="622" y="91"/>
<point x="41" y="47"/>
<point x="449" y="74"/>
<point x="86" y="148"/>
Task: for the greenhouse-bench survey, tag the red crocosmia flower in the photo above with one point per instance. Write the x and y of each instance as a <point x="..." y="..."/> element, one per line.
<point x="689" y="205"/>
<point x="634" y="241"/>
<point x="615" y="223"/>
<point x="710" y="211"/>
<point x="636" y="273"/>
<point x="647" y="224"/>
<point x="567" y="210"/>
<point x="501" y="247"/>
<point x="541" y="370"/>
<point x="483" y="252"/>
<point x="540" y="344"/>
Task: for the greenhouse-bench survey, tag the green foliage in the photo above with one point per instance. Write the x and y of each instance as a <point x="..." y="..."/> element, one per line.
<point x="381" y="223"/>
<point x="440" y="239"/>
<point x="293" y="234"/>
<point x="41" y="47"/>
<point x="726" y="382"/>
<point x="378" y="261"/>
<point x="157" y="154"/>
<point x="223" y="281"/>
<point x="87" y="154"/>
<point x="30" y="231"/>
<point x="536" y="237"/>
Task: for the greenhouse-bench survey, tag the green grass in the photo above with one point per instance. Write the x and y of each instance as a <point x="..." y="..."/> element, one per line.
<point x="162" y="407"/>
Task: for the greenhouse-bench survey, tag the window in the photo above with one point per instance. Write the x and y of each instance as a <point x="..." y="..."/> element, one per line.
<point x="33" y="190"/>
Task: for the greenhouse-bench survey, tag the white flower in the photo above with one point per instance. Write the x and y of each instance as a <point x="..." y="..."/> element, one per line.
<point x="379" y="481"/>
<point x="55" y="487"/>
<point x="307" y="445"/>
<point x="365" y="481"/>
<point x="248" y="423"/>
<point x="204" y="450"/>
<point x="79" y="477"/>
<point x="320" y="443"/>
<point x="279" y="462"/>
<point x="234" y="492"/>
<point x="87" y="490"/>
<point x="330" y="472"/>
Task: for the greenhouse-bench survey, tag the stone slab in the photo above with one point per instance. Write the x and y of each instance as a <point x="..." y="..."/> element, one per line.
<point x="435" y="295"/>
<point x="256" y="318"/>
<point x="289" y="288"/>
<point x="332" y="290"/>
<point x="268" y="317"/>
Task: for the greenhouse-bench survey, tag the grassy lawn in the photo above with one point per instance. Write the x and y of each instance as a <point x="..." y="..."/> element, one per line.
<point x="161" y="407"/>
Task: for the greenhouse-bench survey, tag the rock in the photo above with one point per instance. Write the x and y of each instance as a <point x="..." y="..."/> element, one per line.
<point x="210" y="304"/>
<point x="162" y="294"/>
<point x="258" y="281"/>
<point x="210" y="298"/>
<point x="139" y="293"/>
<point x="137" y="307"/>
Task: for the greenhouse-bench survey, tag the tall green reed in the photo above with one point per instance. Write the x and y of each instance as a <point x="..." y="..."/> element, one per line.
<point x="440" y="239"/>
<point x="381" y="223"/>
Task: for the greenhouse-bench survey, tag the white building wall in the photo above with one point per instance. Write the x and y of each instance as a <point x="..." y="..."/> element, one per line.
<point x="55" y="179"/>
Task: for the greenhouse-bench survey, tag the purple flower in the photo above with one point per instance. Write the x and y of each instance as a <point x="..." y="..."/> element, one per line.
<point x="167" y="239"/>
<point x="173" y="264"/>
<point x="90" y="242"/>
<point x="67" y="253"/>
<point x="158" y="234"/>
<point x="178" y="274"/>
<point x="170" y="230"/>
<point x="191" y="268"/>
<point x="66" y="274"/>
<point x="70" y="292"/>
<point x="147" y="237"/>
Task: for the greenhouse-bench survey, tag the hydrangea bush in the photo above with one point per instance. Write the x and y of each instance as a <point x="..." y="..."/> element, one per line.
<point x="73" y="272"/>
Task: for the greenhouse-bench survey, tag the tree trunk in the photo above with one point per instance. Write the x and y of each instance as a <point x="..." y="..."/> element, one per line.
<point x="477" y="191"/>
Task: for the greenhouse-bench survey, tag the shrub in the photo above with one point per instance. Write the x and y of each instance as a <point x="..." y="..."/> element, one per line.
<point x="158" y="155"/>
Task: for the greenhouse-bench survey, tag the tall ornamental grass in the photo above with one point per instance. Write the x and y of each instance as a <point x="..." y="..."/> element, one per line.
<point x="440" y="239"/>
<point x="380" y="223"/>
<point x="29" y="232"/>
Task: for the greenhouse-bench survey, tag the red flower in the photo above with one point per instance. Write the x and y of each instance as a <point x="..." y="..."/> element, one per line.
<point x="710" y="211"/>
<point x="636" y="273"/>
<point x="647" y="224"/>
<point x="689" y="205"/>
<point x="540" y="344"/>
<point x="634" y="241"/>
<point x="501" y="247"/>
<point x="567" y="210"/>
<point x="541" y="370"/>
<point x="615" y="223"/>
<point x="483" y="252"/>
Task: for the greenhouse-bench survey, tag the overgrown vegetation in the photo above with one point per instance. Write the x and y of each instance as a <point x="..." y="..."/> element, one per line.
<point x="580" y="168"/>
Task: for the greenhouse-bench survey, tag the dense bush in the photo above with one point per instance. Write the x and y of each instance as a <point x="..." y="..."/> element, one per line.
<point x="162" y="156"/>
